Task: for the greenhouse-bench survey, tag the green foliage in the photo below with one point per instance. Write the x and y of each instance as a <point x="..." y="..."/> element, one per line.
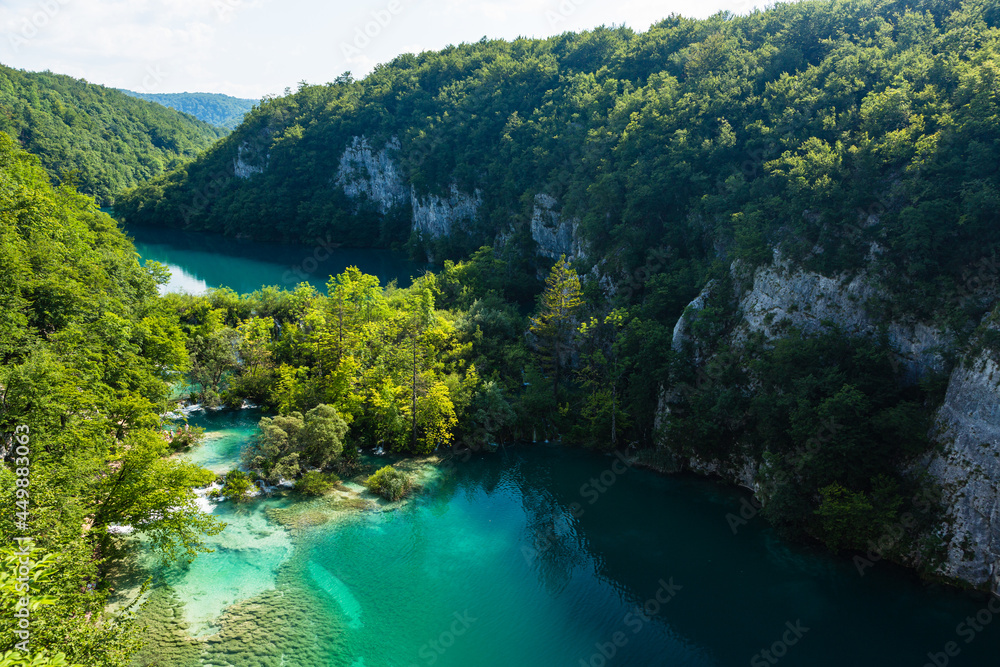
<point x="185" y="437"/>
<point x="556" y="320"/>
<point x="830" y="416"/>
<point x="315" y="483"/>
<point x="238" y="486"/>
<point x="87" y="350"/>
<point x="213" y="108"/>
<point x="288" y="443"/>
<point x="96" y="139"/>
<point x="389" y="483"/>
<point x="322" y="436"/>
<point x="818" y="128"/>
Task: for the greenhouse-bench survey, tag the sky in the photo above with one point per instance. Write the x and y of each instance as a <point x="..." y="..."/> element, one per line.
<point x="252" y="48"/>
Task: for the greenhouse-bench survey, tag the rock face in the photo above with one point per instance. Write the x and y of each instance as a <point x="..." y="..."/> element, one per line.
<point x="968" y="423"/>
<point x="249" y="161"/>
<point x="434" y="217"/>
<point x="363" y="173"/>
<point x="968" y="470"/>
<point x="377" y="176"/>
<point x="682" y="330"/>
<point x="554" y="235"/>
<point x="782" y="296"/>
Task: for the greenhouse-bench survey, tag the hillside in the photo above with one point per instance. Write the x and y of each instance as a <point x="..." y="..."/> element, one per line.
<point x="795" y="212"/>
<point x="87" y="349"/>
<point x="732" y="135"/>
<point x="213" y="108"/>
<point x="98" y="138"/>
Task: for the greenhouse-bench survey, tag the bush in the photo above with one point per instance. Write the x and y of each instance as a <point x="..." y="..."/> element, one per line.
<point x="237" y="486"/>
<point x="185" y="437"/>
<point x="389" y="483"/>
<point x="315" y="483"/>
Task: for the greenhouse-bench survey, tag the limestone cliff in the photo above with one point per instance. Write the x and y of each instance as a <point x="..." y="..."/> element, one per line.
<point x="249" y="160"/>
<point x="378" y="177"/>
<point x="436" y="217"/>
<point x="363" y="173"/>
<point x="783" y="297"/>
<point x="968" y="470"/>
<point x="555" y="235"/>
<point x="967" y="467"/>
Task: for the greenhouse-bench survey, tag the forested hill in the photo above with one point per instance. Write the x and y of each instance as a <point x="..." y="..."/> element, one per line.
<point x="98" y="138"/>
<point x="87" y="349"/>
<point x="728" y="136"/>
<point x="213" y="108"/>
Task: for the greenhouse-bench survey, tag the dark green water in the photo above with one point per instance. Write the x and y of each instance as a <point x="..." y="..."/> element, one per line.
<point x="505" y="560"/>
<point x="199" y="261"/>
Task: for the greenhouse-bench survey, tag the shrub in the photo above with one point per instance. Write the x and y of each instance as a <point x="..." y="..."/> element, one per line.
<point x="389" y="483"/>
<point x="315" y="483"/>
<point x="237" y="486"/>
<point x="185" y="437"/>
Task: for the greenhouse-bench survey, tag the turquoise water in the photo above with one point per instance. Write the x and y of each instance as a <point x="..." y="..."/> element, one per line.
<point x="198" y="261"/>
<point x="505" y="561"/>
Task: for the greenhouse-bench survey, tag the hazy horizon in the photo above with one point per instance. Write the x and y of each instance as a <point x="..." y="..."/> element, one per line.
<point x="174" y="46"/>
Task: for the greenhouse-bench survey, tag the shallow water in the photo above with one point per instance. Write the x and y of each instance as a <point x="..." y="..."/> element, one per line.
<point x="505" y="560"/>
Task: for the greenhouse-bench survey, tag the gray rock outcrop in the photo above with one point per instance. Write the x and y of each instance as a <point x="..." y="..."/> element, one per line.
<point x="555" y="235"/>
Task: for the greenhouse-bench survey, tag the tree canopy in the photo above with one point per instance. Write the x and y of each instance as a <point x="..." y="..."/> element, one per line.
<point x="95" y="138"/>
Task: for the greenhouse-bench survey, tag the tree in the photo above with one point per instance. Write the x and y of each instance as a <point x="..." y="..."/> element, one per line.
<point x="140" y="487"/>
<point x="237" y="486"/>
<point x="322" y="437"/>
<point x="389" y="483"/>
<point x="287" y="443"/>
<point x="273" y="453"/>
<point x="602" y="373"/>
<point x="556" y="321"/>
<point x="435" y="419"/>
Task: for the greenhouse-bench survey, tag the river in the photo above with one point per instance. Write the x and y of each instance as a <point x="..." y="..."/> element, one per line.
<point x="538" y="555"/>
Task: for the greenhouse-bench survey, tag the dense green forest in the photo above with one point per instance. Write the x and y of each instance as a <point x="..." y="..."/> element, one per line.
<point x="843" y="133"/>
<point x="817" y="127"/>
<point x="87" y="351"/>
<point x="96" y="138"/>
<point x="213" y="108"/>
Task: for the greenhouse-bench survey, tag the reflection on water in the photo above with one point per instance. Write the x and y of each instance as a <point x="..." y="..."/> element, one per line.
<point x="199" y="261"/>
<point x="182" y="282"/>
<point x="505" y="561"/>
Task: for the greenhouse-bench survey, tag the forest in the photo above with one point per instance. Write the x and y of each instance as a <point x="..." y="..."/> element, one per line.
<point x="89" y="350"/>
<point x="795" y="128"/>
<point x="213" y="108"/>
<point x="839" y="134"/>
<point x="97" y="139"/>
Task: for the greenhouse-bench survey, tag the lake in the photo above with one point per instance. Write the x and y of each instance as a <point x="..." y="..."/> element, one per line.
<point x="537" y="555"/>
<point x="540" y="555"/>
<point x="199" y="261"/>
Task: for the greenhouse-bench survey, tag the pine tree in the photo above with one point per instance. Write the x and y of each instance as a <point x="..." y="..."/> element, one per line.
<point x="556" y="321"/>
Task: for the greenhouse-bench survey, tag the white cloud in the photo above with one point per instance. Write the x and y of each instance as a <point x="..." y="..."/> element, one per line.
<point x="253" y="47"/>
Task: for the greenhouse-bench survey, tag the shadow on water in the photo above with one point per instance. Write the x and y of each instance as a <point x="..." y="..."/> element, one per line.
<point x="542" y="555"/>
